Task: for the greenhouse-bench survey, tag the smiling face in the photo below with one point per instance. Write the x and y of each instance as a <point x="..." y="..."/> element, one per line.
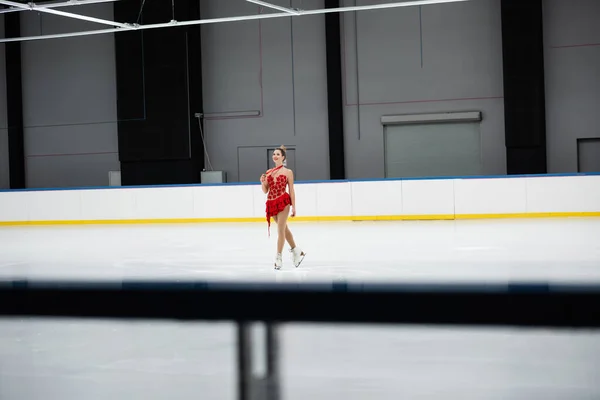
<point x="278" y="157"/>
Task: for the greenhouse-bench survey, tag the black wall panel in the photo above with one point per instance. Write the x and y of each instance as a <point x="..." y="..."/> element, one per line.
<point x="524" y="94"/>
<point x="159" y="89"/>
<point x="14" y="99"/>
<point x="335" y="105"/>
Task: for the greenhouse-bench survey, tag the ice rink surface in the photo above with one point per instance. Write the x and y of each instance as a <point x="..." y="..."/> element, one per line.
<point x="75" y="359"/>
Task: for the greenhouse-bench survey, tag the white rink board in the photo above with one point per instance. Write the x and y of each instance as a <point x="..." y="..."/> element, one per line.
<point x="490" y="196"/>
<point x="428" y="197"/>
<point x="434" y="198"/>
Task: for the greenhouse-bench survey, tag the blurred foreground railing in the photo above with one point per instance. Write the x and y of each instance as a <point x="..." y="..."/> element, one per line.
<point x="520" y="305"/>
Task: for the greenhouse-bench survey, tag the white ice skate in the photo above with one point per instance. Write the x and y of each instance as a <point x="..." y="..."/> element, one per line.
<point x="278" y="261"/>
<point x="297" y="256"/>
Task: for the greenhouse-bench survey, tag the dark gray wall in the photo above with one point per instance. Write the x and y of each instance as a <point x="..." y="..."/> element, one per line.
<point x="460" y="69"/>
<point x="4" y="171"/>
<point x="277" y="66"/>
<point x="407" y="60"/>
<point x="384" y="73"/>
<point x="572" y="64"/>
<point x="69" y="101"/>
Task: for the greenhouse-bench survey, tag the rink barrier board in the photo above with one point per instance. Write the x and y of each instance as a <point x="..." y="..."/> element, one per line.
<point x="304" y="219"/>
<point x="300" y="182"/>
<point x="369" y="200"/>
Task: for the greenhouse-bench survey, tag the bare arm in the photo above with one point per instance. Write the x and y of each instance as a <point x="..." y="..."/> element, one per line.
<point x="263" y="183"/>
<point x="292" y="191"/>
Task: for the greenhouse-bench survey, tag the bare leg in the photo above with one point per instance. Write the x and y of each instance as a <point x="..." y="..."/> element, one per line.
<point x="282" y="218"/>
<point x="288" y="234"/>
<point x="283" y="234"/>
<point x="289" y="237"/>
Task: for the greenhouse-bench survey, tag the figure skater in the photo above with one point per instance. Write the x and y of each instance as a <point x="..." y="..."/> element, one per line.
<point x="279" y="203"/>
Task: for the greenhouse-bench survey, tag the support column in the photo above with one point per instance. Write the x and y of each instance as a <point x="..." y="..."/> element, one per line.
<point x="251" y="387"/>
<point x="244" y="361"/>
<point x="14" y="100"/>
<point x="524" y="94"/>
<point x="159" y="91"/>
<point x="273" y="378"/>
<point x="335" y="104"/>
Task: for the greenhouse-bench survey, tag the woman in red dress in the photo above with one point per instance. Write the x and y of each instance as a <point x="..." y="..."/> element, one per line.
<point x="279" y="203"/>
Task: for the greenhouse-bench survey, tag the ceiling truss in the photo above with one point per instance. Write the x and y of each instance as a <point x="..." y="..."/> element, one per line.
<point x="50" y="8"/>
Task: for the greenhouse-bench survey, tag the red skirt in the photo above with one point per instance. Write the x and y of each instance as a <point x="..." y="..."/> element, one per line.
<point x="275" y="206"/>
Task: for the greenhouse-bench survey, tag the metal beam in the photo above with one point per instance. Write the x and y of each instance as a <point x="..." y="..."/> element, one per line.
<point x="62" y="35"/>
<point x="274" y="6"/>
<point x="34" y="7"/>
<point x="151" y="26"/>
<point x="69" y="3"/>
<point x="226" y="19"/>
<point x="378" y="6"/>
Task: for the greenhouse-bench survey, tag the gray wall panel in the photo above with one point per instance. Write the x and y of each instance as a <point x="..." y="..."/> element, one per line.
<point x="293" y="78"/>
<point x="71" y="139"/>
<point x="572" y="64"/>
<point x="588" y="154"/>
<point x="460" y="70"/>
<point x="231" y="58"/>
<point x="69" y="100"/>
<point x="70" y="170"/>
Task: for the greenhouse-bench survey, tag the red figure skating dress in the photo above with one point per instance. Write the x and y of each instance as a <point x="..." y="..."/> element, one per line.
<point x="277" y="198"/>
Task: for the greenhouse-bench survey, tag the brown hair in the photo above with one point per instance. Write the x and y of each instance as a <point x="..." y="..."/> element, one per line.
<point x="282" y="150"/>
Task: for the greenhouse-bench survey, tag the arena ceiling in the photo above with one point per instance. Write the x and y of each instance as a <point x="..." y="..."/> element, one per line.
<point x="277" y="11"/>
